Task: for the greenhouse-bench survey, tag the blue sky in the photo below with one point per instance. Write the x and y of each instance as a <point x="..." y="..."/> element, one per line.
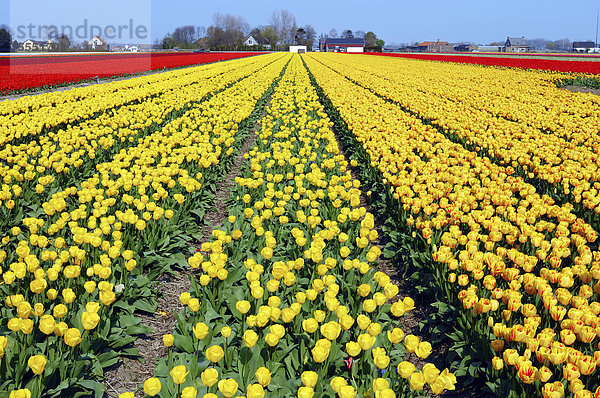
<point x="398" y="21"/>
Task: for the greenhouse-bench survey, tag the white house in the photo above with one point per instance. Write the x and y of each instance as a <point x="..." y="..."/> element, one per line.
<point x="298" y="49"/>
<point x="37" y="45"/>
<point x="97" y="43"/>
<point x="250" y="41"/>
<point x="255" y="38"/>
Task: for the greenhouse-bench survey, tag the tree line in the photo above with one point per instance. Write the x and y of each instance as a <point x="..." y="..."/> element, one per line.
<point x="228" y="32"/>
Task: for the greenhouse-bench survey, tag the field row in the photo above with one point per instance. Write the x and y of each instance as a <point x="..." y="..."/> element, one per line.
<point x="307" y="314"/>
<point x="79" y="257"/>
<point x="524" y="269"/>
<point x="34" y="72"/>
<point x="517" y="118"/>
<point x="525" y="61"/>
<point x="485" y="180"/>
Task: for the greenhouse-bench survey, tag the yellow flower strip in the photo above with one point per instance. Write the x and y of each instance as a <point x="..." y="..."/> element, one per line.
<point x="34" y="167"/>
<point x="520" y="251"/>
<point x="43" y="111"/>
<point x="518" y="117"/>
<point x="306" y="300"/>
<point x="62" y="271"/>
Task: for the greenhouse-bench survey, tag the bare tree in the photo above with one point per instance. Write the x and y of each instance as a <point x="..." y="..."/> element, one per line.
<point x="271" y="35"/>
<point x="184" y="36"/>
<point x="227" y="31"/>
<point x="359" y="34"/>
<point x="200" y="32"/>
<point x="215" y="37"/>
<point x="333" y="33"/>
<point x="347" y="34"/>
<point x="64" y="43"/>
<point x="311" y="36"/>
<point x="285" y="24"/>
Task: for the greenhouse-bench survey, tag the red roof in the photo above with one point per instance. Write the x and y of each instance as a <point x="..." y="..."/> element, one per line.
<point x="428" y="43"/>
<point x="103" y="42"/>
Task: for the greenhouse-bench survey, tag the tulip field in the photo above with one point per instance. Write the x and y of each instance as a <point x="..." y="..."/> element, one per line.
<point x="25" y="73"/>
<point x="481" y="185"/>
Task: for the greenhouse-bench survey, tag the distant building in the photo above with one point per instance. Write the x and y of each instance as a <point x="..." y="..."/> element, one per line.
<point x="38" y="45"/>
<point x="255" y="38"/>
<point x="465" y="48"/>
<point x="436" y="47"/>
<point x="490" y="49"/>
<point x="393" y="49"/>
<point x="583" y="46"/>
<point x="344" y="45"/>
<point x="96" y="43"/>
<point x="516" y="45"/>
<point x="298" y="49"/>
<point x="145" y="47"/>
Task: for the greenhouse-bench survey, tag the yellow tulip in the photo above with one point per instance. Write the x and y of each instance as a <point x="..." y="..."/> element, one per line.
<point x="89" y="320"/>
<point x="306" y="392"/>
<point x="22" y="393"/>
<point x="168" y="340"/>
<point x="209" y="377"/>
<point x="179" y="374"/>
<point x="214" y="353"/>
<point x="72" y="337"/>
<point x="200" y="330"/>
<point x="406" y="369"/>
<point x="309" y="378"/>
<point x="250" y="338"/>
<point x="37" y="364"/>
<point x="152" y="386"/>
<point x="189" y="392"/>
<point x="228" y="387"/>
<point x="255" y="391"/>
<point x="417" y="381"/>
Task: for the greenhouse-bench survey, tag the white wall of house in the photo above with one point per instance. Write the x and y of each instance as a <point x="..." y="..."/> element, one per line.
<point x="355" y="49"/>
<point x="250" y="41"/>
<point x="295" y="49"/>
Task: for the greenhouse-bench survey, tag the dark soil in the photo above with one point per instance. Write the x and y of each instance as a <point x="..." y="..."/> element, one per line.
<point x="129" y="374"/>
<point x="582" y="89"/>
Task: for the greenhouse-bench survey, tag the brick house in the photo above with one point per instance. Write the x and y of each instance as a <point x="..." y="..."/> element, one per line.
<point x="516" y="45"/>
<point x="436" y="47"/>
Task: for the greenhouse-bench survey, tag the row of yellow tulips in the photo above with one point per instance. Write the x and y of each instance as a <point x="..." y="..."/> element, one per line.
<point x="522" y="264"/>
<point x="65" y="156"/>
<point x="32" y="115"/>
<point x="286" y="300"/>
<point x="518" y="117"/>
<point x="71" y="275"/>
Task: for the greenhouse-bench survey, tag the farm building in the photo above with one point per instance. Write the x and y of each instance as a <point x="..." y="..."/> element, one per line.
<point x="435" y="47"/>
<point x="38" y="45"/>
<point x="583" y="46"/>
<point x="516" y="45"/>
<point x="298" y="49"/>
<point x="344" y="45"/>
<point x="464" y="48"/>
